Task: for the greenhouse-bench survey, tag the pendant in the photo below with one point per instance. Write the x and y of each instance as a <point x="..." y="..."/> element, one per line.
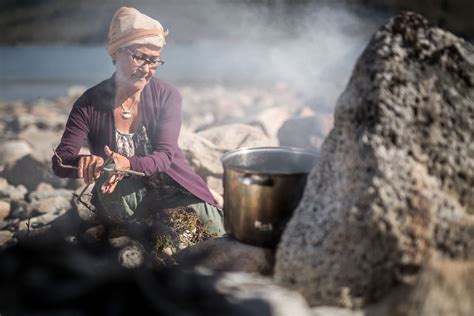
<point x="126" y="114"/>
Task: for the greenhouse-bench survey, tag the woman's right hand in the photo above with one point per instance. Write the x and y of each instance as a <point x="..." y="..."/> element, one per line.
<point x="90" y="168"/>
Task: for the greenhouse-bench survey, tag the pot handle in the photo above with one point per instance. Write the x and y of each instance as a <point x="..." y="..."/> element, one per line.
<point x="249" y="179"/>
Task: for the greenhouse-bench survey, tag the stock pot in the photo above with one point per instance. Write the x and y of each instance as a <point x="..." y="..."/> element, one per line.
<point x="262" y="187"/>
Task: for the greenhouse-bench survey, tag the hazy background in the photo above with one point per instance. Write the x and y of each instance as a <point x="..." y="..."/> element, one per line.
<point x="49" y="46"/>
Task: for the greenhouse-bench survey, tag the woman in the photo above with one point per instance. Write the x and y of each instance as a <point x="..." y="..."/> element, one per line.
<point x="134" y="119"/>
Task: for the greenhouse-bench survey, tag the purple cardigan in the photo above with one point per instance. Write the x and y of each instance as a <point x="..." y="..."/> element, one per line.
<point x="92" y="118"/>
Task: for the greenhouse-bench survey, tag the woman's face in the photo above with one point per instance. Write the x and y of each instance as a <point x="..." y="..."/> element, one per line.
<point x="135" y="65"/>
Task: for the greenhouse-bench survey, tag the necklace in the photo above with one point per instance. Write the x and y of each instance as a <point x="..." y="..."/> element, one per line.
<point x="126" y="114"/>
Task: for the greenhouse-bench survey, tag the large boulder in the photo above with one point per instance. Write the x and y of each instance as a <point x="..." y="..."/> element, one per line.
<point x="395" y="180"/>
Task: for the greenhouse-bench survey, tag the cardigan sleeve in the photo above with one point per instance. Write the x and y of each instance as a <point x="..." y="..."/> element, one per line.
<point x="74" y="136"/>
<point x="165" y="138"/>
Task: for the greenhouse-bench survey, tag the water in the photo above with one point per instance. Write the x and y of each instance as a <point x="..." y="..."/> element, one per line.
<point x="28" y="73"/>
<point x="45" y="72"/>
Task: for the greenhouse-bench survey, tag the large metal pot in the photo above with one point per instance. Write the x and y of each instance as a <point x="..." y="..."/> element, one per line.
<point x="262" y="187"/>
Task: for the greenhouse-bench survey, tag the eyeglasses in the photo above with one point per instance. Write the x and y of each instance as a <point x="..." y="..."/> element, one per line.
<point x="142" y="60"/>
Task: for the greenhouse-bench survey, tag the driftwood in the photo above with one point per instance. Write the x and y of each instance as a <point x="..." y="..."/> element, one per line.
<point x="112" y="170"/>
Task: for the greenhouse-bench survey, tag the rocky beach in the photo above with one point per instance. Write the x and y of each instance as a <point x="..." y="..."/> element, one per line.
<point x="385" y="226"/>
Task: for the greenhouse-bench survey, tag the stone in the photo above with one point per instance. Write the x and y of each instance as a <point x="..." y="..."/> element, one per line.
<point x="13" y="193"/>
<point x="47" y="194"/>
<point x="42" y="142"/>
<point x="336" y="311"/>
<point x="95" y="233"/>
<point x="30" y="171"/>
<point x="228" y="254"/>
<point x="444" y="287"/>
<point x="245" y="289"/>
<point x="4" y="210"/>
<point x="55" y="205"/>
<point x="5" y="237"/>
<point x="20" y="209"/>
<point x="13" y="150"/>
<point x="120" y="242"/>
<point x="233" y="136"/>
<point x="44" y="187"/>
<point x="132" y="256"/>
<point x="395" y="178"/>
<point x="272" y="119"/>
<point x="303" y="132"/>
<point x="3" y="183"/>
<point x="203" y="156"/>
<point x="39" y="222"/>
<point x="216" y="184"/>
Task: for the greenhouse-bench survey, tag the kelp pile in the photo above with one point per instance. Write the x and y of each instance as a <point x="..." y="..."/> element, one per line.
<point x="175" y="229"/>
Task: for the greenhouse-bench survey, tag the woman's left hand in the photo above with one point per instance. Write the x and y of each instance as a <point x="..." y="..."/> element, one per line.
<point x="121" y="162"/>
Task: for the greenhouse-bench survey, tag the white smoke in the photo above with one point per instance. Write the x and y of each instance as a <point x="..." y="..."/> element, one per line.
<point x="311" y="48"/>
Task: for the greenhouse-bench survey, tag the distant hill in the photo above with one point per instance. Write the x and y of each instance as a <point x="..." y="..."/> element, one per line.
<point x="87" y="21"/>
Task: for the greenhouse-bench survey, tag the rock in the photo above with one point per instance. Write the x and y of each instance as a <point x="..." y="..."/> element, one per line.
<point x="203" y="156"/>
<point x="82" y="273"/>
<point x="247" y="290"/>
<point x="13" y="193"/>
<point x="42" y="141"/>
<point x="232" y="136"/>
<point x="132" y="256"/>
<point x="336" y="311"/>
<point x="3" y="183"/>
<point x="5" y="237"/>
<point x="4" y="210"/>
<point x="395" y="178"/>
<point x="21" y="122"/>
<point x="30" y="172"/>
<point x="272" y="119"/>
<point x="120" y="242"/>
<point x="44" y="187"/>
<point x="303" y="132"/>
<point x="95" y="233"/>
<point x="13" y="150"/>
<point x="20" y="209"/>
<point x="228" y="254"/>
<point x="55" y="205"/>
<point x="9" y="224"/>
<point x="41" y="223"/>
<point x="444" y="287"/>
<point x="42" y="195"/>
<point x="216" y="184"/>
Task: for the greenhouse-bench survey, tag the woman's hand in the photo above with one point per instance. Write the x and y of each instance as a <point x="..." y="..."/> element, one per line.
<point x="90" y="168"/>
<point x="121" y="162"/>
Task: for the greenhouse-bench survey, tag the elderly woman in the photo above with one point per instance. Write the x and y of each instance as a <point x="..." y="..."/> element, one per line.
<point x="133" y="120"/>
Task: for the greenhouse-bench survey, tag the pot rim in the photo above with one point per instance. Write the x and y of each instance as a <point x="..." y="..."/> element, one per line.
<point x="231" y="153"/>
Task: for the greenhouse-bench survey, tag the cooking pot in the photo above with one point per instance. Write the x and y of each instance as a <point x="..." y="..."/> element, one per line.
<point x="262" y="187"/>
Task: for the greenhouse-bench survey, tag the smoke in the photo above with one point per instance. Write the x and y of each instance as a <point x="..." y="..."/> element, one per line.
<point x="309" y="47"/>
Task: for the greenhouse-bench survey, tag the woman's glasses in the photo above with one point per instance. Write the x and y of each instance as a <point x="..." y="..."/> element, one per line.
<point x="142" y="60"/>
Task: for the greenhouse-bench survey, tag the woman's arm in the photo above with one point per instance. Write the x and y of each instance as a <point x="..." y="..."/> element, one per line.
<point x="73" y="137"/>
<point x="165" y="140"/>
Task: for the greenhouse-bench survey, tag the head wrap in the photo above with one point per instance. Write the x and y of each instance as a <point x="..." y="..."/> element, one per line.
<point x="129" y="26"/>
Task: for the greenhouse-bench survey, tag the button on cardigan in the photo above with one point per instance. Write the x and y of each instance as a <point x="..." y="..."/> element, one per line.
<point x="91" y="119"/>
